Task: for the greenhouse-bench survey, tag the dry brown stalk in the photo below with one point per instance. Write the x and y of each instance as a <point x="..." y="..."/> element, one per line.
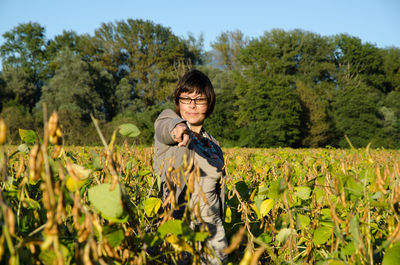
<point x="86" y="255"/>
<point x="75" y="211"/>
<point x="3" y="131"/>
<point x="396" y="194"/>
<point x="60" y="211"/>
<point x="93" y="247"/>
<point x="343" y="198"/>
<point x="197" y="212"/>
<point x="235" y="243"/>
<point x="9" y="215"/>
<point x="396" y="167"/>
<point x="395" y="235"/>
<point x="21" y="166"/>
<point x="335" y="218"/>
<point x="289" y="211"/>
<point x="191" y="179"/>
<point x="379" y="180"/>
<point x="35" y="163"/>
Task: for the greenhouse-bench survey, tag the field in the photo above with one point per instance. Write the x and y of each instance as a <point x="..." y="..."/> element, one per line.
<point x="99" y="205"/>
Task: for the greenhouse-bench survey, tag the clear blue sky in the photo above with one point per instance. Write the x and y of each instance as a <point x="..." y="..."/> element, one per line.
<point x="373" y="21"/>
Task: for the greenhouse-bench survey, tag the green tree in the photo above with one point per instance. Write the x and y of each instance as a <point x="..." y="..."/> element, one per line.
<point x="3" y="93"/>
<point x="19" y="86"/>
<point x="268" y="111"/>
<point x="103" y="85"/>
<point x="391" y="65"/>
<point x="356" y="114"/>
<point x="143" y="119"/>
<point x="66" y="40"/>
<point x="268" y="105"/>
<point x="391" y="120"/>
<point x="316" y="62"/>
<point x="358" y="61"/>
<point x="222" y="123"/>
<point x="269" y="114"/>
<point x="317" y="128"/>
<point x="16" y="117"/>
<point x="144" y="53"/>
<point x="315" y="83"/>
<point x="226" y="49"/>
<point x="25" y="49"/>
<point x="102" y="79"/>
<point x="195" y="48"/>
<point x="360" y="86"/>
<point x="73" y="94"/>
<point x="124" y="94"/>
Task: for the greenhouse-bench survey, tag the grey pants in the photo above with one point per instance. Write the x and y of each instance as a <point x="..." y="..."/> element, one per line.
<point x="216" y="242"/>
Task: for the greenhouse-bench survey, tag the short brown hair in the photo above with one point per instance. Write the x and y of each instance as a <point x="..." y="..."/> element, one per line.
<point x="195" y="81"/>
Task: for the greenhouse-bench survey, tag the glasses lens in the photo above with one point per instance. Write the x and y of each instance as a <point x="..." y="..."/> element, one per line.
<point x="185" y="100"/>
<point x="197" y="101"/>
<point x="200" y="101"/>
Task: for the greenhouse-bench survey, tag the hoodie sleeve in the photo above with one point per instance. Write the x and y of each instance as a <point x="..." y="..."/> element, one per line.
<point x="164" y="124"/>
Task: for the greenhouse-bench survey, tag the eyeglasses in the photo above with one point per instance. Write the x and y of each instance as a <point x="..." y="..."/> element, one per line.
<point x="197" y="101"/>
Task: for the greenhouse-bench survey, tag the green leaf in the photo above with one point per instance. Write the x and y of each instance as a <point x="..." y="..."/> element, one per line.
<point x="334" y="262"/>
<point x="107" y="202"/>
<point x="266" y="206"/>
<point x="151" y="206"/>
<point x="302" y="220"/>
<point x="23" y="148"/>
<point x="376" y="195"/>
<point x="49" y="256"/>
<point x="129" y="130"/>
<point x="242" y="189"/>
<point x="392" y="255"/>
<point x="355" y="231"/>
<point x="262" y="190"/>
<point x="32" y="204"/>
<point x="179" y="228"/>
<point x="276" y="188"/>
<point x="257" y="206"/>
<point x="172" y="226"/>
<point x="27" y="136"/>
<point x="144" y="172"/>
<point x="264" y="237"/>
<point x="322" y="235"/>
<point x="319" y="195"/>
<point x="152" y="239"/>
<point x="80" y="171"/>
<point x="122" y="219"/>
<point x="303" y="192"/>
<point x="113" y="236"/>
<point x="2" y="160"/>
<point x="130" y="164"/>
<point x="228" y="215"/>
<point x="326" y="213"/>
<point x="201" y="236"/>
<point x="353" y="187"/>
<point x="349" y="249"/>
<point x="284" y="234"/>
<point x="96" y="160"/>
<point x="256" y="210"/>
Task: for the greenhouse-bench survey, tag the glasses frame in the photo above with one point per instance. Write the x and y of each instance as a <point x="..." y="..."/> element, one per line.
<point x="193" y="99"/>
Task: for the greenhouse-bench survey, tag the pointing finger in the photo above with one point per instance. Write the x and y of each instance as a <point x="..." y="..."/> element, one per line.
<point x="178" y="131"/>
<point x="185" y="139"/>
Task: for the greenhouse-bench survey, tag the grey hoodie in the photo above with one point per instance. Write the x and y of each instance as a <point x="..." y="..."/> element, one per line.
<point x="165" y="148"/>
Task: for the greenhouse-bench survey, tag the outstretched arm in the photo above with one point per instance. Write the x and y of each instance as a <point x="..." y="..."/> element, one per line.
<point x="180" y="134"/>
<point x="171" y="129"/>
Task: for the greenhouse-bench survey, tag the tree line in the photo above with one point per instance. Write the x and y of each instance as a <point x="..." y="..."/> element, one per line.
<point x="282" y="89"/>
